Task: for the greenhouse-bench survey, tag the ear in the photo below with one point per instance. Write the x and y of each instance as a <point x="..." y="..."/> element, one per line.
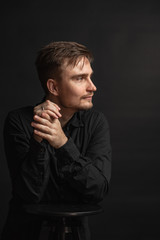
<point x="52" y="86"/>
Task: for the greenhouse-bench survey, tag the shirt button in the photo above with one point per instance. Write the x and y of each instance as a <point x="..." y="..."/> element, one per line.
<point x="42" y="150"/>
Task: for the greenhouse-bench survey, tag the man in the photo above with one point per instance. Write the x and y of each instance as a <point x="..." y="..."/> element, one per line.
<point x="58" y="151"/>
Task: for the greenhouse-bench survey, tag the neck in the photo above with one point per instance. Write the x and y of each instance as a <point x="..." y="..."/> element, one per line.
<point x="66" y="116"/>
<point x="65" y="112"/>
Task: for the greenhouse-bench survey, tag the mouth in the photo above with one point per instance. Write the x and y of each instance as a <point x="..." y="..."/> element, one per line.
<point x="88" y="96"/>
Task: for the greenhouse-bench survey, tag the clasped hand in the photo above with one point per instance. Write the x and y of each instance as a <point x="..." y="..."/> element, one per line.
<point x="46" y="124"/>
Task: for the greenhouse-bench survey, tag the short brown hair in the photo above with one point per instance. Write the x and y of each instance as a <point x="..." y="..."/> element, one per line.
<point x="52" y="56"/>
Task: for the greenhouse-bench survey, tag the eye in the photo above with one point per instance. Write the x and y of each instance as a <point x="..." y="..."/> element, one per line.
<point x="80" y="78"/>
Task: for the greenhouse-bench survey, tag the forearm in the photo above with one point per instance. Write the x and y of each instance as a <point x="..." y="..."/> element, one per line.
<point x="33" y="175"/>
<point x="29" y="169"/>
<point x="82" y="172"/>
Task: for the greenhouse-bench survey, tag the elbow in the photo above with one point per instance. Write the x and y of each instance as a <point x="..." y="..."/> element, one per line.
<point x="27" y="194"/>
<point x="101" y="192"/>
<point x="96" y="193"/>
<point x="28" y="197"/>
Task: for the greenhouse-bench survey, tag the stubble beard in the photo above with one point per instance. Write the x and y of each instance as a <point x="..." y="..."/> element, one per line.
<point x="85" y="107"/>
<point x="78" y="108"/>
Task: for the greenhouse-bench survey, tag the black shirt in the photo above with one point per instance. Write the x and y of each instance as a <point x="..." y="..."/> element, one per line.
<point x="77" y="172"/>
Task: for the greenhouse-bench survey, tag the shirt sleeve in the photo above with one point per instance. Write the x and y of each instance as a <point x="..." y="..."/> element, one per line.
<point x="89" y="173"/>
<point x="28" y="160"/>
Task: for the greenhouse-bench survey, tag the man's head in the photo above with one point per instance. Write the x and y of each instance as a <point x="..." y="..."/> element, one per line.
<point x="52" y="57"/>
<point x="64" y="69"/>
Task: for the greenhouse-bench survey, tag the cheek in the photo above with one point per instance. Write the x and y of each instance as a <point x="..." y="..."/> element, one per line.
<point x="73" y="97"/>
<point x="74" y="92"/>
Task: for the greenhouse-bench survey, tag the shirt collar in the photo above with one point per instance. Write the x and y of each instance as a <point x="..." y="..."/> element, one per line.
<point x="76" y="120"/>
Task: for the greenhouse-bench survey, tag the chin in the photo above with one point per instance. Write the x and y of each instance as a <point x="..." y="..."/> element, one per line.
<point x="86" y="107"/>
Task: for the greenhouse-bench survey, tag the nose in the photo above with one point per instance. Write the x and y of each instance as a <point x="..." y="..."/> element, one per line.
<point x="91" y="86"/>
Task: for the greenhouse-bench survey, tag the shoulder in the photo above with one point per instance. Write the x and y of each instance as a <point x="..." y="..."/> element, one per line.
<point x="21" y="112"/>
<point x="20" y="115"/>
<point x="93" y="118"/>
<point x="92" y="115"/>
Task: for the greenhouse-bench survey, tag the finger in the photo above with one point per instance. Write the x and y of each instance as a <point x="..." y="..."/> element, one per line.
<point x="41" y="134"/>
<point x="43" y="121"/>
<point x="51" y="109"/>
<point x="51" y="118"/>
<point x="40" y="127"/>
<point x="53" y="114"/>
<point x="48" y="102"/>
<point x="46" y="116"/>
<point x="48" y="105"/>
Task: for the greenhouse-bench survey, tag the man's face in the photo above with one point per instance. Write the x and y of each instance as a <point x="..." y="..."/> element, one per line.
<point x="76" y="89"/>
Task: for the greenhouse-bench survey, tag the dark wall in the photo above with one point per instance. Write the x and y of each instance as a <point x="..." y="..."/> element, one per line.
<point x="124" y="37"/>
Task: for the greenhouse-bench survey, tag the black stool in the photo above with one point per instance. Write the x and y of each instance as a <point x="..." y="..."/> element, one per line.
<point x="65" y="215"/>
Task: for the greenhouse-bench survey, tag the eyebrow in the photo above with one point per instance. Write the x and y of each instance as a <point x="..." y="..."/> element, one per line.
<point x="81" y="75"/>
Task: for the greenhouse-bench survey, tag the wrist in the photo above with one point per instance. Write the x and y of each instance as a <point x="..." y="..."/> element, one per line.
<point x="63" y="142"/>
<point x="37" y="138"/>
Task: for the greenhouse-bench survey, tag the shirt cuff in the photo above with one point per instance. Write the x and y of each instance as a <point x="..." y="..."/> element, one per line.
<point x="37" y="148"/>
<point x="68" y="152"/>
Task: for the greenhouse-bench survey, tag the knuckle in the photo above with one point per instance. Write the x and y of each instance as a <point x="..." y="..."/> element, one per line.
<point x="35" y="109"/>
<point x="47" y="102"/>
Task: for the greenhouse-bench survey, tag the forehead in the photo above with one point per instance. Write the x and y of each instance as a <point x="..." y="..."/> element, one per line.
<point x="82" y="65"/>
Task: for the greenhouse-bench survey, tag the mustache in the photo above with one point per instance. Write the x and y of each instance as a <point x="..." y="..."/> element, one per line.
<point x="88" y="95"/>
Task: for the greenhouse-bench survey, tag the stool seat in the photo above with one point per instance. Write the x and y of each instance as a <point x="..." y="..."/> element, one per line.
<point x="63" y="210"/>
<point x="65" y="227"/>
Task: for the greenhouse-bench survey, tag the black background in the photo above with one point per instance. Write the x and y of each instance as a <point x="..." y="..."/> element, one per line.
<point x="124" y="37"/>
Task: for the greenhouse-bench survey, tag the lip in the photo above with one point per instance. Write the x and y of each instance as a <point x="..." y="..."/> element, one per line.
<point x="89" y="96"/>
